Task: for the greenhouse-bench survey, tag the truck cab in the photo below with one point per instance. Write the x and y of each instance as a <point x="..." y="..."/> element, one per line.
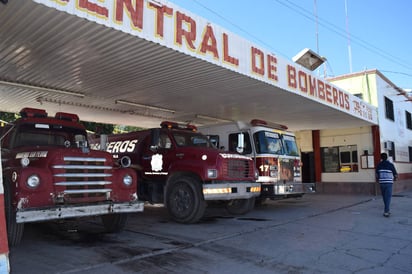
<point x="274" y="151"/>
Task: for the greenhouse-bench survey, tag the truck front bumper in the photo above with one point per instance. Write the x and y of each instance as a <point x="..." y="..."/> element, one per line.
<point x="230" y="191"/>
<point x="284" y="190"/>
<point x="63" y="212"/>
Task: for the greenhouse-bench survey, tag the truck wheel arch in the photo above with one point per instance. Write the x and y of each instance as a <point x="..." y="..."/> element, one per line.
<point x="179" y="174"/>
<point x="184" y="198"/>
<point x="14" y="230"/>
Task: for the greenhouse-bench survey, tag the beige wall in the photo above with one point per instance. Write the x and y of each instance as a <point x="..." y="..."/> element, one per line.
<point x="361" y="137"/>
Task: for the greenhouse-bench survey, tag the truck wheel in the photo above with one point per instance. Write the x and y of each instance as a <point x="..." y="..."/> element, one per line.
<point x="184" y="200"/>
<point x="240" y="206"/>
<point x="114" y="222"/>
<point x="14" y="230"/>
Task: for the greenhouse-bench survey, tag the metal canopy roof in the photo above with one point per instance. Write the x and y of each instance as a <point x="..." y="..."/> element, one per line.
<point x="82" y="67"/>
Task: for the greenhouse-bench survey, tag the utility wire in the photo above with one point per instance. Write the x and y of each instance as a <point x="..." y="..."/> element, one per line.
<point x="397" y="72"/>
<point x="339" y="31"/>
<point x="333" y="28"/>
<point x="239" y="28"/>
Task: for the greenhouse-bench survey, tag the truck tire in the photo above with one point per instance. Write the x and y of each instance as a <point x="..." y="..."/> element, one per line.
<point x="240" y="206"/>
<point x="14" y="230"/>
<point x="184" y="200"/>
<point x="114" y="222"/>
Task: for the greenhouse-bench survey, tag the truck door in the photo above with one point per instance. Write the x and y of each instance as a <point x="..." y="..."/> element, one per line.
<point x="156" y="156"/>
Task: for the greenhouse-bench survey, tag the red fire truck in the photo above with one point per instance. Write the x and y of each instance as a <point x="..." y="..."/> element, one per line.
<point x="274" y="150"/>
<point x="179" y="167"/>
<point x="50" y="173"/>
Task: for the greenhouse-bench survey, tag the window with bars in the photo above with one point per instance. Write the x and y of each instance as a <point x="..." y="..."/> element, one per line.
<point x="389" y="109"/>
<point x="408" y="120"/>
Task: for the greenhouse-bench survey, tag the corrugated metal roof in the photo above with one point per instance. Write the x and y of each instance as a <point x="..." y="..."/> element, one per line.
<point x="43" y="47"/>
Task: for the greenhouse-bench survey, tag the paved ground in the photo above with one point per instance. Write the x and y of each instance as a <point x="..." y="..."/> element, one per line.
<point x="316" y="234"/>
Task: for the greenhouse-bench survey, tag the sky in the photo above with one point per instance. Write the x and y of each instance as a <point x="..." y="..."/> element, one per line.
<point x="353" y="35"/>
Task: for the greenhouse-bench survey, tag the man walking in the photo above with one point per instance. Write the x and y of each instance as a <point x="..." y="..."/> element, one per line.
<point x="386" y="174"/>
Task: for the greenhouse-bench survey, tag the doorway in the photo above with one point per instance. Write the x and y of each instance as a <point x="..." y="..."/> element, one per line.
<point x="308" y="167"/>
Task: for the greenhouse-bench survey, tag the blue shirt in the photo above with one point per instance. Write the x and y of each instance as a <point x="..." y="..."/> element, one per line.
<point x="386" y="172"/>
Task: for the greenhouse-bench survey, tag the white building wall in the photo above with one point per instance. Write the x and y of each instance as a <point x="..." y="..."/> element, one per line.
<point x="374" y="87"/>
<point x="395" y="131"/>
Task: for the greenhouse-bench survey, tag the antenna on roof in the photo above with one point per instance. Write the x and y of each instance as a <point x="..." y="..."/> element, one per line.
<point x="348" y="35"/>
<point x="316" y="20"/>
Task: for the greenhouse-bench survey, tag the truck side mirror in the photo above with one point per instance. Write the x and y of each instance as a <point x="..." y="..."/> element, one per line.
<point x="104" y="138"/>
<point x="154" y="144"/>
<point x="240" y="142"/>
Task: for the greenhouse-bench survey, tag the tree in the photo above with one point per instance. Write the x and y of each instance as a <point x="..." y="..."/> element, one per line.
<point x="99" y="128"/>
<point x="123" y="129"/>
<point x="8" y="116"/>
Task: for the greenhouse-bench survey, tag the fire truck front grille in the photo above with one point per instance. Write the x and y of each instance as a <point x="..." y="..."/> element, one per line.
<point x="82" y="179"/>
<point x="237" y="168"/>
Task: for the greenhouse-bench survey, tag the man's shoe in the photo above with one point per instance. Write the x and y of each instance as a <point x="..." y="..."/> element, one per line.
<point x="386" y="214"/>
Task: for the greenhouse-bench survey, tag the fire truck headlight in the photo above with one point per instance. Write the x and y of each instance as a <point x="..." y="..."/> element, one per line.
<point x="212" y="173"/>
<point x="127" y="180"/>
<point x="24" y="161"/>
<point x="33" y="181"/>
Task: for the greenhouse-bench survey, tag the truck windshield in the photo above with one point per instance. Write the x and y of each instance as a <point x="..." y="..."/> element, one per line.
<point x="291" y="148"/>
<point x="48" y="135"/>
<point x="268" y="142"/>
<point x="191" y="139"/>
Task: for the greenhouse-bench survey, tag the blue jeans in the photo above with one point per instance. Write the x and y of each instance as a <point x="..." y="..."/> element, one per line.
<point x="386" y="190"/>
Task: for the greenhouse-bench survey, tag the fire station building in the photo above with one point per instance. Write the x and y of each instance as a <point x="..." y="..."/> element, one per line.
<point x="138" y="64"/>
<point x="142" y="62"/>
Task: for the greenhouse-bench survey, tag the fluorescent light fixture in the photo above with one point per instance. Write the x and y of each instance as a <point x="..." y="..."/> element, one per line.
<point x="205" y="117"/>
<point x="144" y="106"/>
<point x="65" y="92"/>
<point x="309" y="59"/>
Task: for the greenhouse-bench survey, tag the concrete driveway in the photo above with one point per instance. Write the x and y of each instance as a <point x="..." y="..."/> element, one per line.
<point x="319" y="233"/>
